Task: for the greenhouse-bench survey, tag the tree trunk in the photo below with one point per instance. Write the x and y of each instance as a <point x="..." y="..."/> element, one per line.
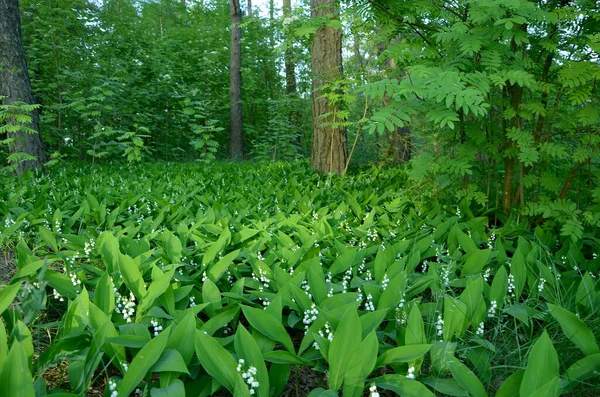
<point x="329" y="144"/>
<point x="249" y="8"/>
<point x="236" y="144"/>
<point x="15" y="84"/>
<point x="290" y="72"/>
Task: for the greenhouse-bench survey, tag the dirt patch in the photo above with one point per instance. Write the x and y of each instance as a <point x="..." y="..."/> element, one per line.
<point x="7" y="266"/>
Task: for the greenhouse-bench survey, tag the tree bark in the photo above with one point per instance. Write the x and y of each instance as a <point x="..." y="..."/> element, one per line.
<point x="15" y="84"/>
<point x="236" y="143"/>
<point x="329" y="143"/>
<point x="290" y="72"/>
<point x="249" y="8"/>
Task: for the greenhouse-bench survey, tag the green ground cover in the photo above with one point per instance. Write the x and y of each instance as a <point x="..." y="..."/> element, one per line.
<point x="201" y="279"/>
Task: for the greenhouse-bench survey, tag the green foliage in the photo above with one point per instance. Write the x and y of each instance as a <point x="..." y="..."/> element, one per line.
<point x="503" y="90"/>
<point x="15" y="120"/>
<point x="269" y="266"/>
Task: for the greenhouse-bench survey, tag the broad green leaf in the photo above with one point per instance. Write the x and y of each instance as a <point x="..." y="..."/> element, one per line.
<point x="156" y="288"/>
<point x="467" y="379"/>
<point x="584" y="369"/>
<point x="132" y="276"/>
<point x="345" y="261"/>
<point x="7" y="295"/>
<point x="216" y="247"/>
<point x="175" y="389"/>
<point x="499" y="287"/>
<point x="48" y="238"/>
<point x="104" y="296"/>
<point x="15" y="378"/>
<point x="216" y="360"/>
<point x="108" y="246"/>
<point x="143" y="361"/>
<point x="575" y="330"/>
<point x="455" y="313"/>
<point x="511" y="385"/>
<point x="218" y="269"/>
<point x="247" y="349"/>
<point x="472" y="297"/>
<point x="284" y="357"/>
<point x="170" y="361"/>
<point x="402" y="386"/>
<point x="415" y="329"/>
<point x="181" y="336"/>
<point x="402" y="354"/>
<point x="475" y="263"/>
<point x="3" y="344"/>
<point x="212" y="295"/>
<point x="320" y="392"/>
<point x="268" y="325"/>
<point x="391" y="296"/>
<point x="172" y="246"/>
<point x="360" y="366"/>
<point x="542" y="366"/>
<point x="448" y="387"/>
<point x="346" y="339"/>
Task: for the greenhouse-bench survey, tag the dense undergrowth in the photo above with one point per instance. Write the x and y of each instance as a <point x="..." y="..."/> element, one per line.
<point x="181" y="279"/>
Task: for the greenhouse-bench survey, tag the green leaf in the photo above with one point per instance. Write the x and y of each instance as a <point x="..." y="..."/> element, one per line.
<point x="143" y="361"/>
<point x="170" y="361"/>
<point x="346" y="339"/>
<point x="172" y="246"/>
<point x="499" y="287"/>
<point x="542" y="367"/>
<point x="391" y="296"/>
<point x="181" y="336"/>
<point x="132" y="276"/>
<point x="511" y="385"/>
<point x="104" y="296"/>
<point x="48" y="238"/>
<point x="175" y="389"/>
<point x="415" y="329"/>
<point x="108" y="246"/>
<point x="268" y="325"/>
<point x="247" y="349"/>
<point x="584" y="369"/>
<point x="402" y="386"/>
<point x="467" y="379"/>
<point x="218" y="269"/>
<point x="475" y="263"/>
<point x="284" y="357"/>
<point x="15" y="378"/>
<point x="402" y="354"/>
<point x="360" y="366"/>
<point x="7" y="295"/>
<point x="156" y="288"/>
<point x="216" y="360"/>
<point x="575" y="330"/>
<point x="455" y="313"/>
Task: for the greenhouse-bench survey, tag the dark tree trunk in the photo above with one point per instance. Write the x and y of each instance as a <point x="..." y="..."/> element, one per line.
<point x="290" y="72"/>
<point x="236" y="143"/>
<point x="400" y="145"/>
<point x="249" y="8"/>
<point x="329" y="144"/>
<point x="15" y="84"/>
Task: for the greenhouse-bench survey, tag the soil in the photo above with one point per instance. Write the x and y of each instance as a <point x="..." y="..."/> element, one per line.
<point x="7" y="266"/>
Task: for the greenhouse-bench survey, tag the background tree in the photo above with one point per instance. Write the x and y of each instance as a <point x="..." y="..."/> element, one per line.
<point x="23" y="133"/>
<point x="236" y="143"/>
<point x="329" y="145"/>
